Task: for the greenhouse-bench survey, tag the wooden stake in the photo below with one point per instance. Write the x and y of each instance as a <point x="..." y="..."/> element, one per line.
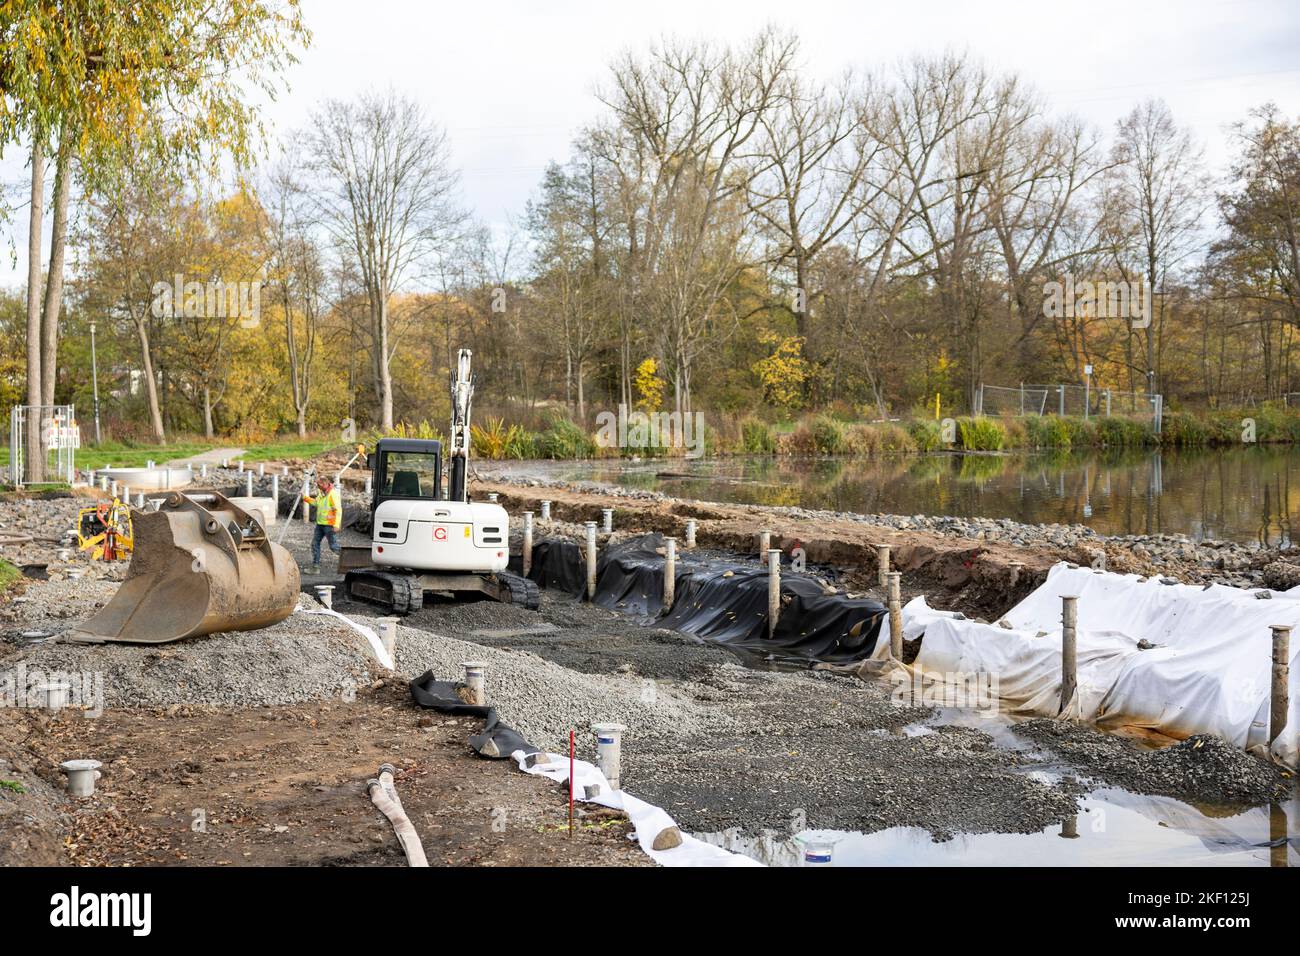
<point x="670" y="572"/>
<point x="894" y="580"/>
<point x="773" y="589"/>
<point x="526" y="558"/>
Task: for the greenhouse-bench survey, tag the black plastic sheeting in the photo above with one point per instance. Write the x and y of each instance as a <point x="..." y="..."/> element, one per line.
<point x="495" y="741"/>
<point x="718" y="598"/>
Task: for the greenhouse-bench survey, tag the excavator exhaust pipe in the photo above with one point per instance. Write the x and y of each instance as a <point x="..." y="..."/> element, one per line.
<point x="201" y="565"/>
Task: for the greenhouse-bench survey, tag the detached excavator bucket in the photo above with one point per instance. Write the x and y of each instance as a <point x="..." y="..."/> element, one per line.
<point x="200" y="565"/>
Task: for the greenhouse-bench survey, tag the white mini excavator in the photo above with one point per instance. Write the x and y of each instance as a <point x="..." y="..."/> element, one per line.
<point x="425" y="541"/>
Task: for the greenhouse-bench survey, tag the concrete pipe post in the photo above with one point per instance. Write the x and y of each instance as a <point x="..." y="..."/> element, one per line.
<point x="609" y="742"/>
<point x="894" y="584"/>
<point x="261" y="468"/>
<point x="690" y="532"/>
<point x="1279" y="697"/>
<point x="225" y="463"/>
<point x="90" y="477"/>
<point x="112" y="488"/>
<point x="370" y="485"/>
<point x="203" y="471"/>
<point x="882" y="564"/>
<point x="1069" y="648"/>
<point x="591" y="560"/>
<point x="54" y="695"/>
<point x="764" y="544"/>
<point x="167" y="479"/>
<point x="773" y="590"/>
<point x="82" y="775"/>
<point x="241" y="466"/>
<point x="607" y="520"/>
<point x="248" y="484"/>
<point x="275" y="492"/>
<point x="492" y="497"/>
<point x="284" y="470"/>
<point x="546" y="511"/>
<point x="139" y="501"/>
<point x="103" y="483"/>
<point x="670" y="572"/>
<point x="325" y="594"/>
<point x="526" y="555"/>
<point x="475" y="683"/>
<point x="126" y="494"/>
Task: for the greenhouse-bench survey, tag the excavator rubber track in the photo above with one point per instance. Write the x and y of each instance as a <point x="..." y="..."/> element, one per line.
<point x="523" y="591"/>
<point x="399" y="593"/>
<point x="403" y="593"/>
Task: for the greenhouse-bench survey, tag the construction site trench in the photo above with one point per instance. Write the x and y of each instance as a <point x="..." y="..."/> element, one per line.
<point x="254" y="747"/>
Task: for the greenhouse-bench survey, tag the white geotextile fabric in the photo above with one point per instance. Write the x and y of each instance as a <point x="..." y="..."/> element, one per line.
<point x="376" y="645"/>
<point x="1208" y="673"/>
<point x="648" y="821"/>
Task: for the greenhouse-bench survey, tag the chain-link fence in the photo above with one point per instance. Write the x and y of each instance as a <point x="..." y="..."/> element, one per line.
<point x="1059" y="399"/>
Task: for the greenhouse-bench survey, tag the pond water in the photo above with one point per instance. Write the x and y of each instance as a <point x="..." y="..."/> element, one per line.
<point x="1243" y="494"/>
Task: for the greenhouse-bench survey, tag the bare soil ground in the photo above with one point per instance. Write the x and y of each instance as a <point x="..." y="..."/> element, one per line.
<point x="283" y="786"/>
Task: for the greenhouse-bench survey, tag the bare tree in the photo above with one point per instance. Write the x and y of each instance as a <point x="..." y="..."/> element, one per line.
<point x="386" y="195"/>
<point x="816" y="149"/>
<point x="1162" y="189"/>
<point x="684" y="118"/>
<point x="296" y="266"/>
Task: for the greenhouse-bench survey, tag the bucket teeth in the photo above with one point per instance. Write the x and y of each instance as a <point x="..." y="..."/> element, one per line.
<point x="201" y="565"/>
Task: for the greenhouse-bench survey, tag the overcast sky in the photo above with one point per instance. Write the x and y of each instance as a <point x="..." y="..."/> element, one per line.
<point x="512" y="80"/>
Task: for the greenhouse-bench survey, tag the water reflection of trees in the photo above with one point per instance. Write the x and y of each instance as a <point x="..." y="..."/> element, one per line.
<point x="1244" y="494"/>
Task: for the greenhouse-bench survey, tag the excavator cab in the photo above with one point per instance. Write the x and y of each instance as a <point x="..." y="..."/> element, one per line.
<point x="406" y="468"/>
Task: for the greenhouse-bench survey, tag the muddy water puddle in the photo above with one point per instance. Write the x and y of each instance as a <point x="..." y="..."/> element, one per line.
<point x="1112" y="828"/>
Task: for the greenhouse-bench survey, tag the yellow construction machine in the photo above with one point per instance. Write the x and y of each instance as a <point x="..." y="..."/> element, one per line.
<point x="105" y="531"/>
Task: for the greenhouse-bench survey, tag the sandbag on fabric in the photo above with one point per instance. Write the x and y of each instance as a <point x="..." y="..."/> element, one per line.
<point x="649" y="821"/>
<point x="495" y="741"/>
<point x="1203" y="664"/>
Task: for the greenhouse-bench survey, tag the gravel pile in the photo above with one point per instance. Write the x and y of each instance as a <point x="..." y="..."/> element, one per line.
<point x="1202" y="767"/>
<point x="306" y="657"/>
<point x="543" y="700"/>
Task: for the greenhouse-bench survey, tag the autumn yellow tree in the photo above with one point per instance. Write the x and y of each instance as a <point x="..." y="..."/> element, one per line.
<point x="87" y="82"/>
